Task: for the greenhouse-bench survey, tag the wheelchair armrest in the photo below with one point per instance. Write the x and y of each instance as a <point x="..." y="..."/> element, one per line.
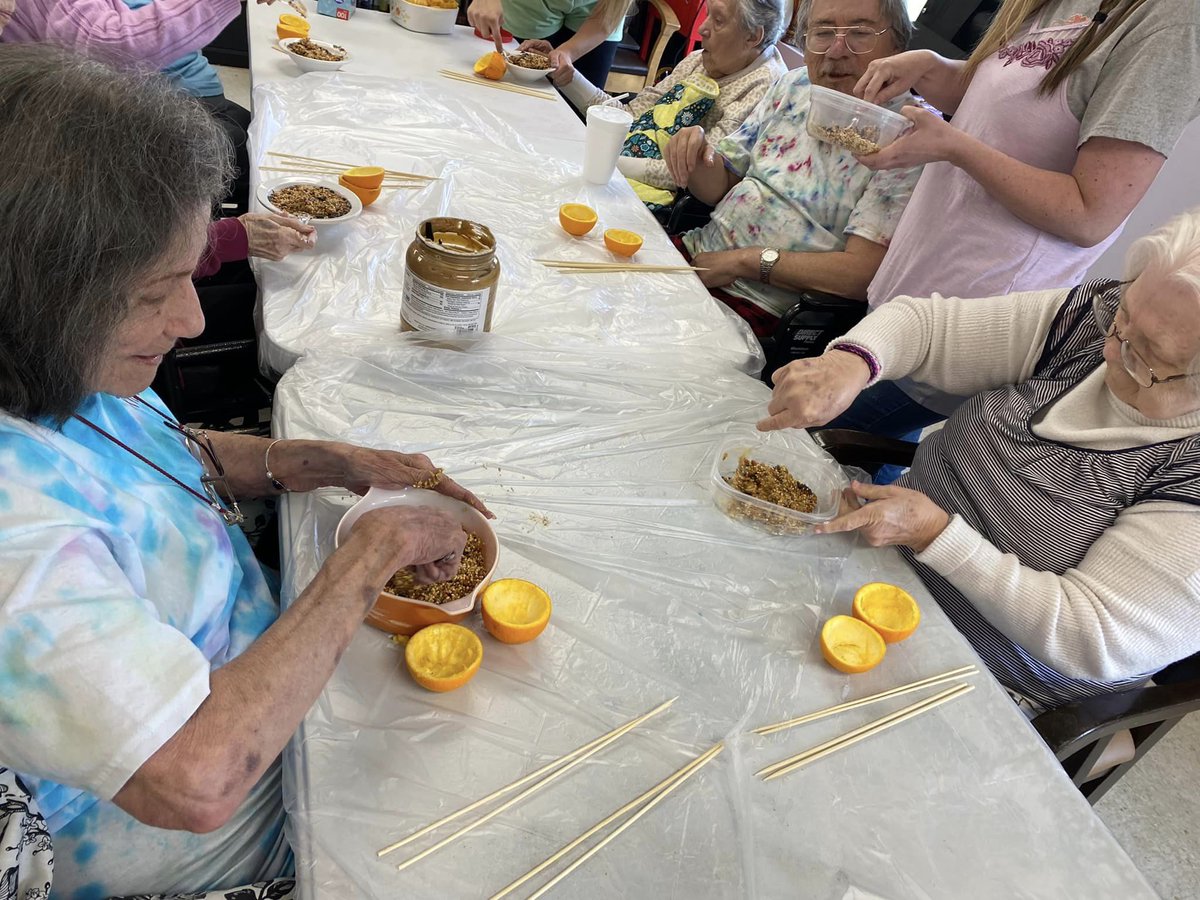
<point x="1075" y="725"/>
<point x="686" y="213"/>
<point x="867" y="451"/>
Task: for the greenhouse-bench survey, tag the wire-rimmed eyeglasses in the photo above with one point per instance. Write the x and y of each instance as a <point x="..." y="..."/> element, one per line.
<point x="859" y="39"/>
<point x="1105" y="305"/>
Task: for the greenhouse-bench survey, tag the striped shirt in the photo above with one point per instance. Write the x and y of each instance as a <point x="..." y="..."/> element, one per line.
<point x="1045" y="502"/>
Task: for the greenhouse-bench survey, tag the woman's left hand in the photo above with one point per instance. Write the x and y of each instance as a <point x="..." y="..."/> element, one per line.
<point x="562" y="67"/>
<point x="892" y="515"/>
<point x="931" y="139"/>
<point x="723" y="267"/>
<point x="365" y="468"/>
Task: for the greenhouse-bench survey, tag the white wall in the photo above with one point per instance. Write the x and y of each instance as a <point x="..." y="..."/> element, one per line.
<point x="1176" y="188"/>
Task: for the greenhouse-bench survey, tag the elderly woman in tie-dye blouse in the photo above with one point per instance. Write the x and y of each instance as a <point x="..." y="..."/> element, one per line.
<point x="1056" y="517"/>
<point x="148" y="681"/>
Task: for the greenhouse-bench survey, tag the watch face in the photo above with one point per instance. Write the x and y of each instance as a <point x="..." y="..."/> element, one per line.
<point x="770" y="255"/>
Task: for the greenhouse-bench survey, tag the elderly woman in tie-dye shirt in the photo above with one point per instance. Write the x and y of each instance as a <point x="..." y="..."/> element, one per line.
<point x="148" y="681"/>
<point x="794" y="213"/>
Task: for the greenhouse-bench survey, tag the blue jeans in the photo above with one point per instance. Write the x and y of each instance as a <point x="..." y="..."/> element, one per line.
<point x="886" y="410"/>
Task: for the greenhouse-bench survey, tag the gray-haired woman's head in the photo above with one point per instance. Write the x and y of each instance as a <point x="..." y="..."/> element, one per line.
<point x="102" y="175"/>
<point x="894" y="12"/>
<point x="769" y="15"/>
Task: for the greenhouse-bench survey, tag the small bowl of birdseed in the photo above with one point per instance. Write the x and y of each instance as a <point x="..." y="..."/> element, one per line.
<point x="852" y="124"/>
<point x="406" y="605"/>
<point x="318" y="201"/>
<point x="774" y="489"/>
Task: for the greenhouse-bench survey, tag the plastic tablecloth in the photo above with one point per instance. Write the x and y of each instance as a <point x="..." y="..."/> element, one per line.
<point x="349" y="289"/>
<point x="596" y="462"/>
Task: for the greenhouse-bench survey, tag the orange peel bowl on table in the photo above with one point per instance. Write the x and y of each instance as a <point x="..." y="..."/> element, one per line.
<point x="366" y="195"/>
<point x="369" y="177"/>
<point x="621" y="242"/>
<point x="491" y="65"/>
<point x="576" y="219"/>
<point x="443" y="657"/>
<point x="851" y="645"/>
<point x="515" y="611"/>
<point x="888" y="609"/>
<point x="290" y="26"/>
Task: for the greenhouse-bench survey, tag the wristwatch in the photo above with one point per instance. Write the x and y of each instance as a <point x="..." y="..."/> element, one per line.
<point x="766" y="262"/>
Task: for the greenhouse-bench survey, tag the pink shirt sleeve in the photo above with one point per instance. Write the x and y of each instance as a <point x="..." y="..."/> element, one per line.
<point x="227" y="242"/>
<point x="156" y="34"/>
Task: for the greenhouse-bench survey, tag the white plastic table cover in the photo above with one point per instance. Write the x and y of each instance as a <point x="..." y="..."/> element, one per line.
<point x="350" y="287"/>
<point x="596" y="464"/>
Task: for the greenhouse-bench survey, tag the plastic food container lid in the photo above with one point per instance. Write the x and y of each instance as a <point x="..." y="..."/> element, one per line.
<point x="823" y="477"/>
<point x="832" y="109"/>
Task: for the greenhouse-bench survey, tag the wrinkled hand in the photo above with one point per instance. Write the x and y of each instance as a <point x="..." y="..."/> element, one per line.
<point x="562" y="68"/>
<point x="892" y="515"/>
<point x="536" y="46"/>
<point x="273" y="237"/>
<point x="887" y="78"/>
<point x="7" y="7"/>
<point x="814" y="391"/>
<point x="364" y="468"/>
<point x="726" y="266"/>
<point x="931" y="139"/>
<point x="430" y="540"/>
<point x="488" y="17"/>
<point x="687" y="149"/>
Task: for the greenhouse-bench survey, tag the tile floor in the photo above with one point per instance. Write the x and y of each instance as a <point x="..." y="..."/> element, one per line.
<point x="1154" y="811"/>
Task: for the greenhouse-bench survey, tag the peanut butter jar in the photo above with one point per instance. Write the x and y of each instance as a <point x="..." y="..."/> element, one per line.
<point x="450" y="277"/>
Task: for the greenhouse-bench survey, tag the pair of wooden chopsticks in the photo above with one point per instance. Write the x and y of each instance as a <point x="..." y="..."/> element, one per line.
<point x="551" y="771"/>
<point x="792" y="763"/>
<point x="335" y="167"/>
<point x="500" y="86"/>
<point x="584" y="268"/>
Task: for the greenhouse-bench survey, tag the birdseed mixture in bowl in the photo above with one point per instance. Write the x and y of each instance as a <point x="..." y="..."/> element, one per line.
<point x="775" y="484"/>
<point x="310" y="200"/>
<point x="471" y="571"/>
<point x="311" y="50"/>
<point x="527" y="59"/>
<point x="860" y="141"/>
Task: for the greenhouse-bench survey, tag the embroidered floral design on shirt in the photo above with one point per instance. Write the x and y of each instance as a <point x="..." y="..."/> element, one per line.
<point x="1041" y="54"/>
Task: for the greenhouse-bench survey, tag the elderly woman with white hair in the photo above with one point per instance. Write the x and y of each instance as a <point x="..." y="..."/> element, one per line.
<point x="1056" y="516"/>
<point x="715" y="88"/>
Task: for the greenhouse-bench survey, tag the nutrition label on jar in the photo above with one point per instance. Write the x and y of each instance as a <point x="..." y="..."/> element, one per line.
<point x="427" y="307"/>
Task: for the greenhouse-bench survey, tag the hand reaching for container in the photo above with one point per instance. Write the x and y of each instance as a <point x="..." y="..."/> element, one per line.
<point x="891" y="516"/>
<point x="488" y="17"/>
<point x="815" y="391"/>
<point x="889" y="77"/>
<point x="272" y="236"/>
<point x="429" y="540"/>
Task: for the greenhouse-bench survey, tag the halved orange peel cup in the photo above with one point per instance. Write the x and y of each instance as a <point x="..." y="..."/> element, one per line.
<point x="491" y="65"/>
<point x="851" y="645"/>
<point x="443" y="657"/>
<point x="366" y="195"/>
<point x="888" y="609"/>
<point x="515" y="611"/>
<point x="290" y="26"/>
<point x="622" y="242"/>
<point x="369" y="177"/>
<point x="576" y="218"/>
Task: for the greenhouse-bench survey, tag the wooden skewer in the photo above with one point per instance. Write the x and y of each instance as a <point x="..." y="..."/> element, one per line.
<point x="787" y="766"/>
<point x="536" y="786"/>
<point x="508" y="788"/>
<point x="603" y="823"/>
<point x="333" y="173"/>
<point x="343" y="165"/>
<point x="662" y="795"/>
<point x="471" y="79"/>
<point x="960" y="672"/>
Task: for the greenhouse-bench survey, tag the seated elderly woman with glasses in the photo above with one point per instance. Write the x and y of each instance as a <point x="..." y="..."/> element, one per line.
<point x="149" y="680"/>
<point x="1056" y="516"/>
<point x="793" y="212"/>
